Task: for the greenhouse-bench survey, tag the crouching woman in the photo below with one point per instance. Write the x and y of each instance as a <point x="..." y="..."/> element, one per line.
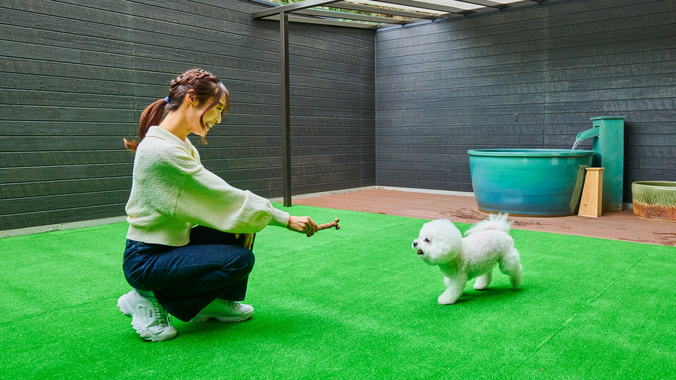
<point x="191" y="234"/>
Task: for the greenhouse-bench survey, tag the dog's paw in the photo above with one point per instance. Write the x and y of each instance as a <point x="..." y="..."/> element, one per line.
<point x="483" y="281"/>
<point x="445" y="300"/>
<point x="515" y="279"/>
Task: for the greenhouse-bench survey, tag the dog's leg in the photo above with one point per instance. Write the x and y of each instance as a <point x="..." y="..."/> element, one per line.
<point x="482" y="282"/>
<point x="455" y="287"/>
<point x="511" y="266"/>
<point x="515" y="277"/>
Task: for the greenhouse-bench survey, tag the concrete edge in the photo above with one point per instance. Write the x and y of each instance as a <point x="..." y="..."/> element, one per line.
<point x="61" y="226"/>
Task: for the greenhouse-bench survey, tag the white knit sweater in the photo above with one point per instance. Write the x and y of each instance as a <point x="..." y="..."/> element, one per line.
<point x="171" y="191"/>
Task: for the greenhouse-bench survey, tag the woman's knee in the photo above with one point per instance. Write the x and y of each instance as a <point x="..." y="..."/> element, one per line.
<point x="245" y="260"/>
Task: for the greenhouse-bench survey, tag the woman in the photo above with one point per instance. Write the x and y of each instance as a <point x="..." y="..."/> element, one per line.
<point x="190" y="234"/>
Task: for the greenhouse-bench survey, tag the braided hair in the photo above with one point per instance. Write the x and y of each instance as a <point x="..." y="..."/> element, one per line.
<point x="202" y="83"/>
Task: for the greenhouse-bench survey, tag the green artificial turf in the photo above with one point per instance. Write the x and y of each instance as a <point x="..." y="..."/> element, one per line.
<point x="349" y="304"/>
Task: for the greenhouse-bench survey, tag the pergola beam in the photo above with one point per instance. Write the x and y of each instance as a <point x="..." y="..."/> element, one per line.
<point x="329" y="22"/>
<point x="292" y="7"/>
<point x="424" y="5"/>
<point x="485" y="3"/>
<point x="385" y="11"/>
<point x="349" y="16"/>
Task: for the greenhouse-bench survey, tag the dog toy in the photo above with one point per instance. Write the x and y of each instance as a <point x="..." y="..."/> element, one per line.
<point x="327" y="225"/>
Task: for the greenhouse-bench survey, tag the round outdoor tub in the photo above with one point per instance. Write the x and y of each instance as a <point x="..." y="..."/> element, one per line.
<point x="538" y="182"/>
<point x="654" y="200"/>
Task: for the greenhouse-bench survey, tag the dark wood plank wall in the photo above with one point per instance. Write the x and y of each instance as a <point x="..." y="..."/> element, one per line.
<point x="75" y="76"/>
<point x="446" y="87"/>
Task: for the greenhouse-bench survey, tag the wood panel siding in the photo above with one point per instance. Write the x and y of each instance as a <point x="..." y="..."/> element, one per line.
<point x="445" y="87"/>
<point x="75" y="76"/>
<point x="398" y="107"/>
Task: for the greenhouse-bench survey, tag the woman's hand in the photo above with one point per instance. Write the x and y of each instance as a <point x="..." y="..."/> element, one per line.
<point x="248" y="240"/>
<point x="302" y="224"/>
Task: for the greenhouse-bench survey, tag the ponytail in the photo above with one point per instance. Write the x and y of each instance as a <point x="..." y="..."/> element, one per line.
<point x="152" y="115"/>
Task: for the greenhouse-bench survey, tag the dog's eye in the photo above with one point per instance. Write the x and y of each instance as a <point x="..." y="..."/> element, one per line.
<point x="427" y="240"/>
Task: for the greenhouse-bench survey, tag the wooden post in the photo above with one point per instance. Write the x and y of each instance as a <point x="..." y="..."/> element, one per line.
<point x="592" y="193"/>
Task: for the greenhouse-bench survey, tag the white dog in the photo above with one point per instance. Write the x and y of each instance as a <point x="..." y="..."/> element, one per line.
<point x="461" y="259"/>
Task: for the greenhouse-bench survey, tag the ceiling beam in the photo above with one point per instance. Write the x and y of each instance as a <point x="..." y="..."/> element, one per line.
<point x="386" y="11"/>
<point x="292" y="7"/>
<point x="485" y="3"/>
<point x="424" y="5"/>
<point x="323" y="21"/>
<point x="349" y="16"/>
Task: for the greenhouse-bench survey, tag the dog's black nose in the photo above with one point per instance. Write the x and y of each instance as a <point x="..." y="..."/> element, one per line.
<point x="415" y="243"/>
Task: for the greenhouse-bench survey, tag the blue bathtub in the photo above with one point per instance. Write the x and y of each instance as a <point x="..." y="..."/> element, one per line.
<point x="537" y="182"/>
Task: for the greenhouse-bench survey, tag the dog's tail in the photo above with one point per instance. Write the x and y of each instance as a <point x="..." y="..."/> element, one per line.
<point x="494" y="222"/>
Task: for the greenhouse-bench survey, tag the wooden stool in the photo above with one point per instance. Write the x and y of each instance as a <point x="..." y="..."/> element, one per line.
<point x="592" y="193"/>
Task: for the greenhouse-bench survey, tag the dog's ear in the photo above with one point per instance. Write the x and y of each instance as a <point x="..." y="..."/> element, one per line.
<point x="446" y="242"/>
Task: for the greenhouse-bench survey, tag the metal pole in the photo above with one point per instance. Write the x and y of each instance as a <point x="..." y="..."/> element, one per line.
<point x="286" y="107"/>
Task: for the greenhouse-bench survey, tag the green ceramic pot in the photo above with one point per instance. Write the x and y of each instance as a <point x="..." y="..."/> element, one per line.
<point x="654" y="200"/>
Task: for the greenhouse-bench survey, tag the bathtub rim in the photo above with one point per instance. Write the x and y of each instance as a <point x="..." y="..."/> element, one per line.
<point x="530" y="152"/>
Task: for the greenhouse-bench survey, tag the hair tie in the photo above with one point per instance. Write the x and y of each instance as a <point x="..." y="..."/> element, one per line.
<point x="166" y="99"/>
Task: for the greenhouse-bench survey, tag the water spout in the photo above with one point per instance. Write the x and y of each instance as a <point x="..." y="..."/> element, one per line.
<point x="589" y="133"/>
<point x="575" y="144"/>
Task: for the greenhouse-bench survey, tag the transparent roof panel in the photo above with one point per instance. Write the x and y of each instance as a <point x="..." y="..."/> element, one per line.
<point x="382" y="13"/>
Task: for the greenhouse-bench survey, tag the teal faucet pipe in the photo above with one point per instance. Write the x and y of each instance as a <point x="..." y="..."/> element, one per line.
<point x="608" y="144"/>
<point x="587" y="134"/>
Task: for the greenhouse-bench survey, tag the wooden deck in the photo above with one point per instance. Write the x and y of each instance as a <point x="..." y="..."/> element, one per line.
<point x="618" y="225"/>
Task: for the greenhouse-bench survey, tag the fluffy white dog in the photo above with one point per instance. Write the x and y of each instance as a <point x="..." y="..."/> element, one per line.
<point x="462" y="259"/>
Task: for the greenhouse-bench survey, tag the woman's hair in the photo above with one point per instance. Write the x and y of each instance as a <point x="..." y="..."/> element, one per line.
<point x="202" y="83"/>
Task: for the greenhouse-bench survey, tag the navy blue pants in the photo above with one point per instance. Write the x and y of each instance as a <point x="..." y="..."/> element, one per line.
<point x="186" y="279"/>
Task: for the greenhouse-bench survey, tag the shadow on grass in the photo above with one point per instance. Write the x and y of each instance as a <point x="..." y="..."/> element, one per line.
<point x="494" y="294"/>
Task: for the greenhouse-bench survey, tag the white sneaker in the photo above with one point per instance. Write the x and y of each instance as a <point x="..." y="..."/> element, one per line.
<point x="224" y="311"/>
<point x="148" y="317"/>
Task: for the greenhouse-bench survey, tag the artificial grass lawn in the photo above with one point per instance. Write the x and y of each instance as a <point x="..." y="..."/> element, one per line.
<point x="355" y="304"/>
